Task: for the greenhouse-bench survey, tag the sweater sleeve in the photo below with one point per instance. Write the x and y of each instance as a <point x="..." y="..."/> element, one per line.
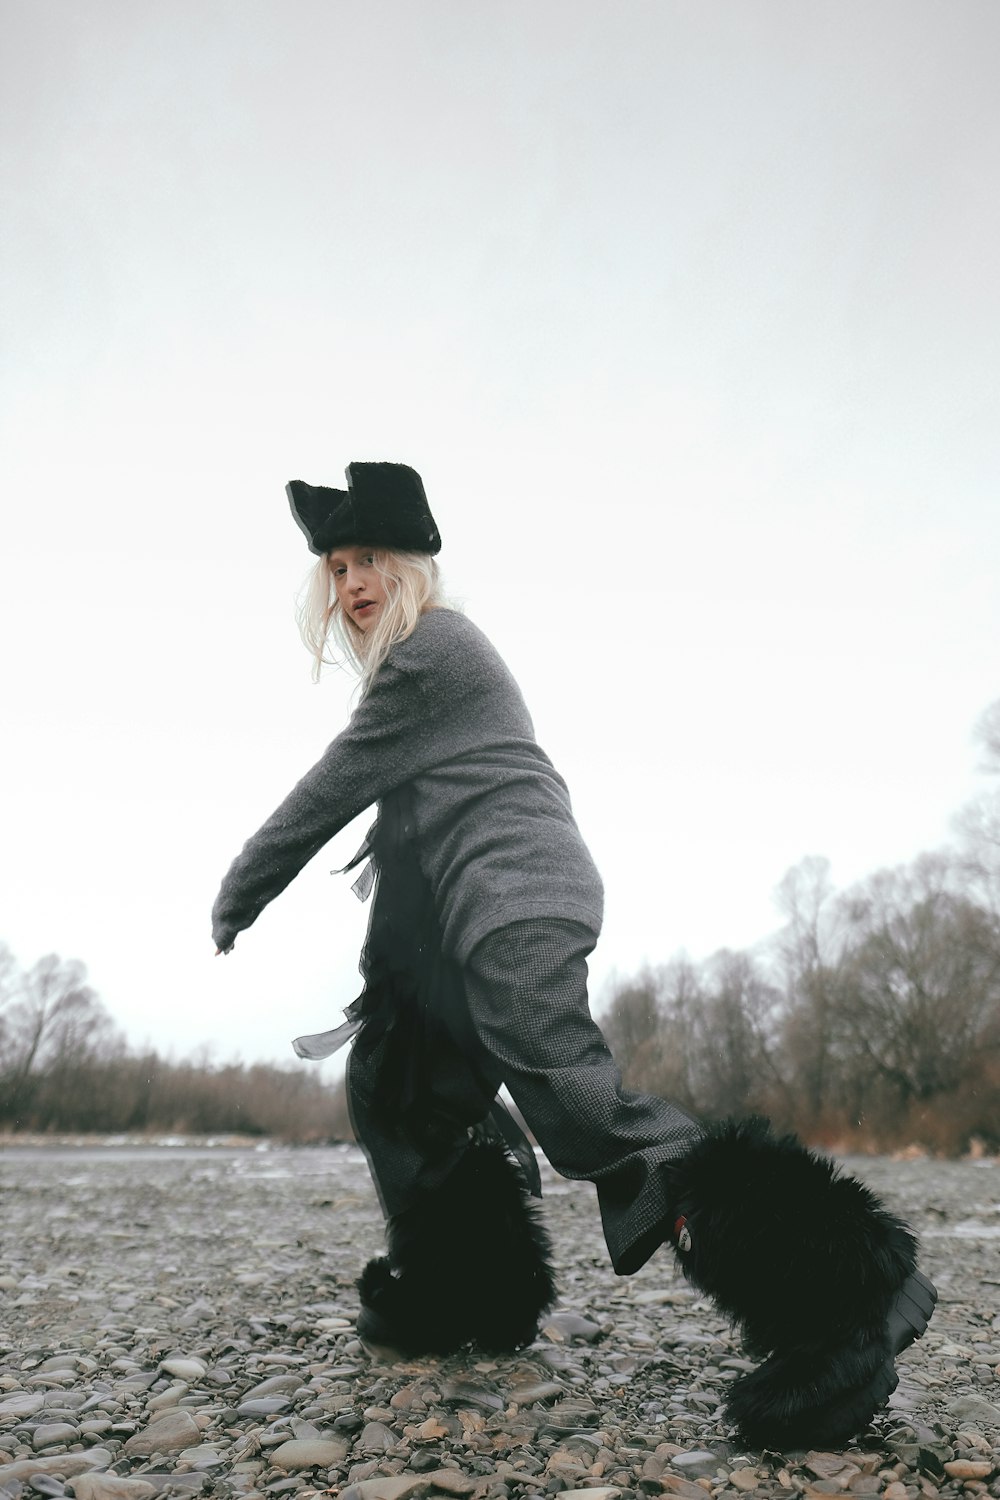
<point x="397" y="731"/>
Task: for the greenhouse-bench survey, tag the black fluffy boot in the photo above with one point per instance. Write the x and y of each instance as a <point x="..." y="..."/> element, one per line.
<point x="468" y="1263"/>
<point x="819" y="1277"/>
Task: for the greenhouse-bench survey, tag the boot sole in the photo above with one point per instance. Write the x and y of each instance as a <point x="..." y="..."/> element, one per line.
<point x="910" y="1312"/>
<point x="909" y="1315"/>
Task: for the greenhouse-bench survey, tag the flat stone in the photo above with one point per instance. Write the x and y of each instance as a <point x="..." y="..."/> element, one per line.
<point x="560" y="1326"/>
<point x="398" y="1486"/>
<point x="697" y="1464"/>
<point x="826" y="1465"/>
<point x="22" y="1404"/>
<point x="46" y="1484"/>
<point x="974" y="1409"/>
<point x="273" y="1386"/>
<point x="169" y="1397"/>
<point x="169" y="1432"/>
<point x="536" y="1390"/>
<point x="265" y="1406"/>
<point x="180" y="1481"/>
<point x="66" y="1400"/>
<point x="453" y="1481"/>
<point x="376" y="1438"/>
<point x="309" y="1453"/>
<point x="67" y="1464"/>
<point x="47" y="1434"/>
<point x="470" y="1393"/>
<point x="184" y="1369"/>
<point x="968" y="1468"/>
<point x="686" y="1488"/>
<point x="111" y="1487"/>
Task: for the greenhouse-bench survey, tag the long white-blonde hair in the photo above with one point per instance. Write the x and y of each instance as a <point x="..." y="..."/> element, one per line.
<point x="412" y="586"/>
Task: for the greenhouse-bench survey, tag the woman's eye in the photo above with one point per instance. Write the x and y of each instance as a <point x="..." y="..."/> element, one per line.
<point x="368" y="561"/>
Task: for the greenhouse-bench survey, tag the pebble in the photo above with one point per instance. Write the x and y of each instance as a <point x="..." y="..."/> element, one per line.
<point x="66" y="1464"/>
<point x="168" y="1432"/>
<point x="192" y="1367"/>
<point x="309" y="1453"/>
<point x="45" y="1484"/>
<point x="184" y="1369"/>
<point x="697" y="1464"/>
<point x="112" y="1487"/>
<point x="964" y="1468"/>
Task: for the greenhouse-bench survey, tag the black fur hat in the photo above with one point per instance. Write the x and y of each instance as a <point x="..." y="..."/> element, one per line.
<point x="384" y="505"/>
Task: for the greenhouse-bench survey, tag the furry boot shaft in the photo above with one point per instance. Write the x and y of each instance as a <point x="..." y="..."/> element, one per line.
<point x="813" y="1270"/>
<point x="468" y="1263"/>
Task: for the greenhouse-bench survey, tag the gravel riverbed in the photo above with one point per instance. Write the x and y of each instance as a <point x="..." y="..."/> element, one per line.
<point x="179" y="1322"/>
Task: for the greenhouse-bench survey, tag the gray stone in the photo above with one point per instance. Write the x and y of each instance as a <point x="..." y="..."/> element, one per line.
<point x="399" y="1486"/>
<point x="45" y="1484"/>
<point x="68" y="1464"/>
<point x="974" y="1409"/>
<point x="536" y="1390"/>
<point x="176" y="1481"/>
<point x="170" y="1397"/>
<point x="560" y="1326"/>
<point x="309" y="1453"/>
<point x="48" y="1434"/>
<point x="111" y="1487"/>
<point x="376" y="1438"/>
<point x="22" y="1404"/>
<point x="274" y="1385"/>
<point x="184" y="1369"/>
<point x="169" y="1432"/>
<point x="204" y="1456"/>
<point x="266" y="1406"/>
<point x="470" y="1393"/>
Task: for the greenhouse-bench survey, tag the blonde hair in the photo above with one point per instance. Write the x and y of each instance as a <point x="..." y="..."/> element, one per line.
<point x="412" y="586"/>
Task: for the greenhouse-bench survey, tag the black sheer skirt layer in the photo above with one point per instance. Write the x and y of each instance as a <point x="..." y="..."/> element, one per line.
<point x="411" y="1023"/>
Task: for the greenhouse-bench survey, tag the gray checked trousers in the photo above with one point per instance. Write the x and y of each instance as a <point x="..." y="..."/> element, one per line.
<point x="530" y="1028"/>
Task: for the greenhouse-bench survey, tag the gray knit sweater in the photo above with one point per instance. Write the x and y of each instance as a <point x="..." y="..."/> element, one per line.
<point x="495" y="829"/>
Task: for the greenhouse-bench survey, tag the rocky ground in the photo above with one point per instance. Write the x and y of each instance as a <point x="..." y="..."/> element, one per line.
<point x="180" y="1322"/>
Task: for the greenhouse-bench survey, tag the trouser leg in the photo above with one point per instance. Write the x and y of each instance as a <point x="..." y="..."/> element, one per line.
<point x="805" y="1258"/>
<point x="527" y="1000"/>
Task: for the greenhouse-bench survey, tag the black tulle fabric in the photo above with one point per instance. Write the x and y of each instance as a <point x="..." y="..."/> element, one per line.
<point x="413" y="1008"/>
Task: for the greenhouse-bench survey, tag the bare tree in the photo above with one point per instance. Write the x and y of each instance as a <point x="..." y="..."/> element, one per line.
<point x="810" y="954"/>
<point x="921" y="998"/>
<point x="736" y="1037"/>
<point x="978" y="824"/>
<point x="54" y="1016"/>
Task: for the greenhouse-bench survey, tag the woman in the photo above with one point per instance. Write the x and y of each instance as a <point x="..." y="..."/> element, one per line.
<point x="487" y="907"/>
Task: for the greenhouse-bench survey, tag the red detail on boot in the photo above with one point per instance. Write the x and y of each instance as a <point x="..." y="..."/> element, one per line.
<point x="682" y="1234"/>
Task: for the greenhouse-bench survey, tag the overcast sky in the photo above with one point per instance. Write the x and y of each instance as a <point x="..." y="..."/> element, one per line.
<point x="688" y="315"/>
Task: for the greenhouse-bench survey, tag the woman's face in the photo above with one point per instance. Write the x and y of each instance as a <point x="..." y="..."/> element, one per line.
<point x="359" y="587"/>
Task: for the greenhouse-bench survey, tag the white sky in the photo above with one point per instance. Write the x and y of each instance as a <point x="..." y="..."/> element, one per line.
<point x="687" y="314"/>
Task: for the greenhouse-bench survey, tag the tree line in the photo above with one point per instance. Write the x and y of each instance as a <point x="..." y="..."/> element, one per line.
<point x="66" y="1068"/>
<point x="870" y="1020"/>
